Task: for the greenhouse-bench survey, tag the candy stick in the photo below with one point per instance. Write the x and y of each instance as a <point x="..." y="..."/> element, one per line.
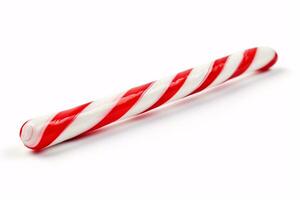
<point x="49" y="130"/>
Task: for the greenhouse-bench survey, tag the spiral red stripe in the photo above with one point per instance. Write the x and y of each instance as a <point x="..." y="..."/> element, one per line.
<point x="244" y="65"/>
<point x="175" y="85"/>
<point x="125" y="103"/>
<point x="213" y="74"/>
<point x="56" y="126"/>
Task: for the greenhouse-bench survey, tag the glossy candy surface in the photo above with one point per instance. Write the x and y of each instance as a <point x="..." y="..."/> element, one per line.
<point x="49" y="130"/>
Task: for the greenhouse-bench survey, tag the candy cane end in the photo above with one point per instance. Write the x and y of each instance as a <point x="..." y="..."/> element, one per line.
<point x="270" y="64"/>
<point x="26" y="133"/>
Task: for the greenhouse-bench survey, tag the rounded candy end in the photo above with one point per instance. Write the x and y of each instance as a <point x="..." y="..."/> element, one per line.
<point x="30" y="134"/>
<point x="26" y="133"/>
<point x="265" y="58"/>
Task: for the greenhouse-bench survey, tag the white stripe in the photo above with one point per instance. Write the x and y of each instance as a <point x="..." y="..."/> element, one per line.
<point x="193" y="81"/>
<point x="88" y="118"/>
<point x="262" y="57"/>
<point x="151" y="95"/>
<point x="231" y="65"/>
<point x="33" y="130"/>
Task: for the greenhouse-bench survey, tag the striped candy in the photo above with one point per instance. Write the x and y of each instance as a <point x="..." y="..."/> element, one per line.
<point x="52" y="129"/>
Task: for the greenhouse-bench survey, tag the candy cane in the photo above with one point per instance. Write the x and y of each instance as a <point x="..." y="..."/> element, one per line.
<point x="46" y="131"/>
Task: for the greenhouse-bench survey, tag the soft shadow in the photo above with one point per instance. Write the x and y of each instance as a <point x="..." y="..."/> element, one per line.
<point x="197" y="101"/>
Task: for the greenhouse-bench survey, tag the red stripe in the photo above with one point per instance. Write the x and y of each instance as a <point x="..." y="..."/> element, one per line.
<point x="213" y="74"/>
<point x="175" y="85"/>
<point x="58" y="124"/>
<point x="245" y="63"/>
<point x="126" y="102"/>
<point x="270" y="64"/>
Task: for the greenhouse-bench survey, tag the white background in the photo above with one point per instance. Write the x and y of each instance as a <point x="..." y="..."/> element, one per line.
<point x="237" y="141"/>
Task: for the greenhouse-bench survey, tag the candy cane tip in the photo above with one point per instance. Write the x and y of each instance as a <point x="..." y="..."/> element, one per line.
<point x="268" y="52"/>
<point x="26" y="132"/>
<point x="29" y="134"/>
